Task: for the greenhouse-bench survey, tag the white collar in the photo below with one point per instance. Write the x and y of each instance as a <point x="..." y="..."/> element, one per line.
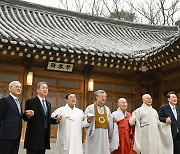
<point x="69" y="107"/>
<point x="118" y="114"/>
<point x="14" y="97"/>
<point x="121" y="110"/>
<point x="145" y="105"/>
<point x="172" y="107"/>
<point x="40" y="98"/>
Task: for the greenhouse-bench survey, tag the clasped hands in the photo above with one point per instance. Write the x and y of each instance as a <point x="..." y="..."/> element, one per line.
<point x="29" y="113"/>
<point x="168" y="120"/>
<point x="59" y="117"/>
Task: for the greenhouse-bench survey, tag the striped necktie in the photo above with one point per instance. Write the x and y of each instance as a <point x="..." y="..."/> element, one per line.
<point x="175" y="112"/>
<point x="44" y="106"/>
<point x="18" y="105"/>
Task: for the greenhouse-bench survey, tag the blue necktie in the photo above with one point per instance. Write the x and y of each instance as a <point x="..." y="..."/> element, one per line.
<point x="175" y="115"/>
<point x="174" y="112"/>
<point x="18" y="105"/>
<point x="44" y="106"/>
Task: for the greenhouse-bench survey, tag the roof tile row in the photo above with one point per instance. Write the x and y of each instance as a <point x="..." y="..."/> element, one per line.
<point x="23" y="24"/>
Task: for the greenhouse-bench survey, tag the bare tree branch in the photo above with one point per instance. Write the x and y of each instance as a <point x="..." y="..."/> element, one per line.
<point x="162" y="12"/>
<point x="158" y="12"/>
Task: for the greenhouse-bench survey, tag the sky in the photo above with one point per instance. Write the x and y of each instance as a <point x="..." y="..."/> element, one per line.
<point x="86" y="7"/>
<point x="53" y="3"/>
<point x="56" y="3"/>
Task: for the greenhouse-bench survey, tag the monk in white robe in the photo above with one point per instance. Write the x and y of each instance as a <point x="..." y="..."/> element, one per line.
<point x="69" y="134"/>
<point x="151" y="136"/>
<point x="101" y="126"/>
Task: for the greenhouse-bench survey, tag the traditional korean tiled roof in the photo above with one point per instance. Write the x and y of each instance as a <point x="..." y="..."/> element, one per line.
<point x="38" y="26"/>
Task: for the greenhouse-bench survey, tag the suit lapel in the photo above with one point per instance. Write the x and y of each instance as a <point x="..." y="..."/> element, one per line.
<point x="177" y="110"/>
<point x="14" y="103"/>
<point x="171" y="112"/>
<point x="48" y="107"/>
<point x="38" y="104"/>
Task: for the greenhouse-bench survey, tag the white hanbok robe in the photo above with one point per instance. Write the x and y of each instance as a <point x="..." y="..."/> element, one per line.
<point x="97" y="139"/>
<point x="151" y="136"/>
<point x="118" y="114"/>
<point x="69" y="134"/>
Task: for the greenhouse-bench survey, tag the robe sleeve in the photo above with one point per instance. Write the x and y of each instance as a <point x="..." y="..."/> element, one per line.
<point x="88" y="112"/>
<point x="138" y="133"/>
<point x="85" y="123"/>
<point x="55" y="113"/>
<point x="110" y="122"/>
<point x="115" y="138"/>
<point x="166" y="138"/>
<point x="91" y="127"/>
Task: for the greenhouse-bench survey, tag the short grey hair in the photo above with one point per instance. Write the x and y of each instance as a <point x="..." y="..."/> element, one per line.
<point x="98" y="92"/>
<point x="40" y="83"/>
<point x="12" y="82"/>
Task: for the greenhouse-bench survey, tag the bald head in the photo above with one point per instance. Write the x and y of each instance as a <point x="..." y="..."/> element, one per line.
<point x="146" y="98"/>
<point x="122" y="100"/>
<point x="122" y="104"/>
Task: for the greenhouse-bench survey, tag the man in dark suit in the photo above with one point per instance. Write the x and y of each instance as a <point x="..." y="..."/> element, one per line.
<point x="37" y="114"/>
<point x="10" y="120"/>
<point x="170" y="114"/>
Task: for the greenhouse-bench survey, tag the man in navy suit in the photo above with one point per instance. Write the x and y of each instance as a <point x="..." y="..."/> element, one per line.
<point x="37" y="114"/>
<point x="10" y="120"/>
<point x="170" y="114"/>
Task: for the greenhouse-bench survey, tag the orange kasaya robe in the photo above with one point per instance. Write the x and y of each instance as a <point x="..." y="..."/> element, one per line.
<point x="126" y="133"/>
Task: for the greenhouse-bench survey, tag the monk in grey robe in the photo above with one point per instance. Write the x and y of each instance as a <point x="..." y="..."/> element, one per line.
<point x="100" y="126"/>
<point x="151" y="136"/>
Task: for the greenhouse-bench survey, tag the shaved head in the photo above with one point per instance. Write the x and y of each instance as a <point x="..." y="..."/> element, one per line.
<point x="122" y="100"/>
<point x="145" y="95"/>
<point x="122" y="104"/>
<point x="146" y="98"/>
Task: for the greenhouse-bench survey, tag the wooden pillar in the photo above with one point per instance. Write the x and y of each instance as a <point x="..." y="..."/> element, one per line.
<point x="26" y="93"/>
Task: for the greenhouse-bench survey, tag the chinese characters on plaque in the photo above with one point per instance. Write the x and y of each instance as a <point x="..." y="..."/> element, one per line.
<point x="60" y="66"/>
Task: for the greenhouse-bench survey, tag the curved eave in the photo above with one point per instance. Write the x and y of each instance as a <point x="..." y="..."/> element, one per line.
<point x="59" y="30"/>
<point x="162" y="47"/>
